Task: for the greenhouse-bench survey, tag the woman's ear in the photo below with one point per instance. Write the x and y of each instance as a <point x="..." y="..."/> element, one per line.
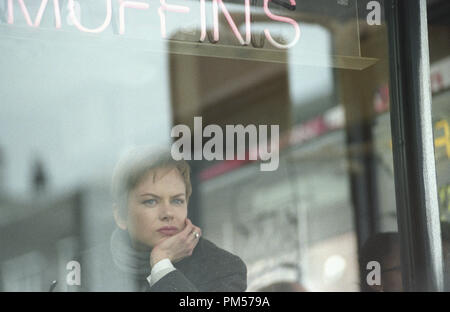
<point x="120" y="221"/>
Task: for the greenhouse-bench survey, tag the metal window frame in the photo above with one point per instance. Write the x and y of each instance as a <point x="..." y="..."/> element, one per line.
<point x="413" y="149"/>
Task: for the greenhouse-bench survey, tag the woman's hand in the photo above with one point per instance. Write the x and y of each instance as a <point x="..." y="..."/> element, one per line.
<point x="178" y="246"/>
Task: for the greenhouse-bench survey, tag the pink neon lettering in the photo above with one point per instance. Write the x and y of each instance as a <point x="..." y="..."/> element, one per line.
<point x="168" y="7"/>
<point x="231" y="22"/>
<point x="40" y="13"/>
<point x="94" y="30"/>
<point x="284" y="20"/>
<point x="10" y="12"/>
<point x="128" y="4"/>
<point x="202" y="21"/>
<point x="248" y="22"/>
<point x="215" y="21"/>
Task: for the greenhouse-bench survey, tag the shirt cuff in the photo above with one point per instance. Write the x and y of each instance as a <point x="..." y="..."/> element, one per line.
<point x="159" y="270"/>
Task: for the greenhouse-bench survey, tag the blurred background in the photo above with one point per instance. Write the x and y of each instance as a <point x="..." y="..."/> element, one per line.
<point x="73" y="102"/>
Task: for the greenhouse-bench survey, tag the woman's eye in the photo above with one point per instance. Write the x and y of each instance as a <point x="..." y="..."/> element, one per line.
<point x="150" y="202"/>
<point x="178" y="201"/>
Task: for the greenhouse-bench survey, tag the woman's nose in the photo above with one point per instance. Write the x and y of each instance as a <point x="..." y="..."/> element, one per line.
<point x="166" y="211"/>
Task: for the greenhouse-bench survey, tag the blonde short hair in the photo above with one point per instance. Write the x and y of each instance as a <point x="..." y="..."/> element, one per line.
<point x="134" y="166"/>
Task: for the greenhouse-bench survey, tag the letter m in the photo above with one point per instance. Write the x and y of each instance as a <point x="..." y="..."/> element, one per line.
<point x="39" y="15"/>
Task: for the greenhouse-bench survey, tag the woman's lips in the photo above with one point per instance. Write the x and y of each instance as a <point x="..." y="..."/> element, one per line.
<point x="168" y="230"/>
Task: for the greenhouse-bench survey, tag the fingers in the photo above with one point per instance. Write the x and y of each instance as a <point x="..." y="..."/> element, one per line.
<point x="182" y="244"/>
<point x="188" y="228"/>
<point x="196" y="233"/>
<point x="194" y="238"/>
<point x="191" y="232"/>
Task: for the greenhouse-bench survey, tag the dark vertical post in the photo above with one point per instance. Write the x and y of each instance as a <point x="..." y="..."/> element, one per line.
<point x="363" y="184"/>
<point x="413" y="150"/>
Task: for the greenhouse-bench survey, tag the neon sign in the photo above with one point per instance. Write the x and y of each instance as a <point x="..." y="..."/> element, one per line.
<point x="40" y="13"/>
<point x="163" y="9"/>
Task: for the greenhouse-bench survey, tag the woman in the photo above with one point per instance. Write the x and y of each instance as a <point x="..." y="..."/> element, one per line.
<point x="155" y="247"/>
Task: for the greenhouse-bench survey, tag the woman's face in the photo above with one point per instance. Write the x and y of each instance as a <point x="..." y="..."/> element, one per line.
<point x="157" y="207"/>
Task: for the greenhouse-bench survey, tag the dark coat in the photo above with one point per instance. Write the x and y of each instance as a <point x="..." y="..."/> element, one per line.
<point x="210" y="268"/>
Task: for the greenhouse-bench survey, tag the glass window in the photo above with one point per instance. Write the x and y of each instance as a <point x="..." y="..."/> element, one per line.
<point x="440" y="83"/>
<point x="280" y="108"/>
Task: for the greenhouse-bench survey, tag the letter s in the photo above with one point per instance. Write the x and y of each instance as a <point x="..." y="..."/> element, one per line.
<point x="284" y="20"/>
